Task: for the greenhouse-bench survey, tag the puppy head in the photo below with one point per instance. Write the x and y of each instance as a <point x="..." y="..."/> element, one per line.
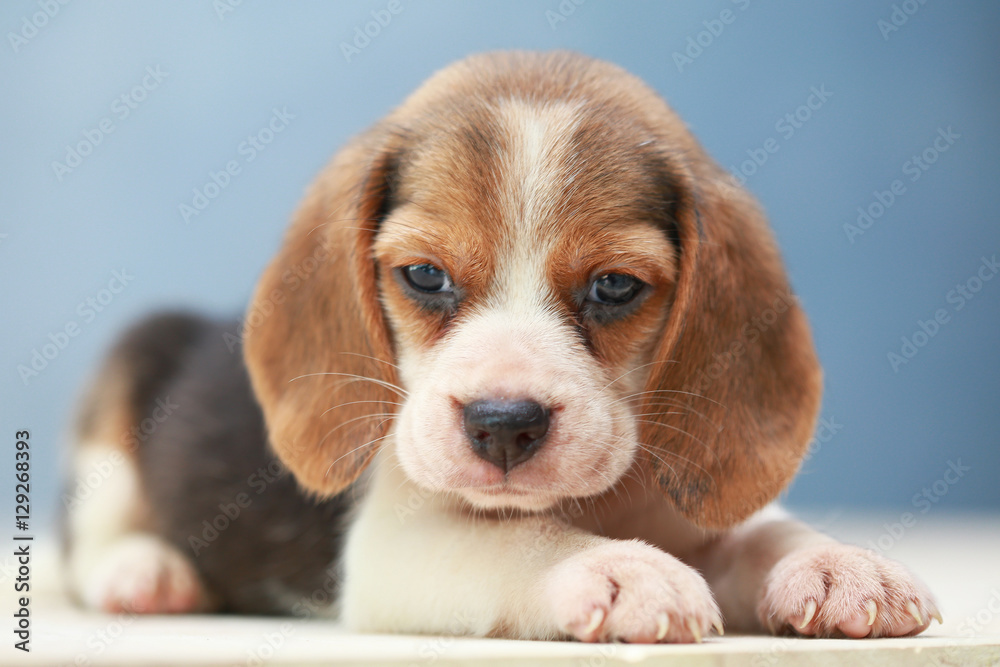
<point x="535" y="275"/>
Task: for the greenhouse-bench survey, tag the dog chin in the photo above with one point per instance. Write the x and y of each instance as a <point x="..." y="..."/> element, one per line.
<point x="501" y="498"/>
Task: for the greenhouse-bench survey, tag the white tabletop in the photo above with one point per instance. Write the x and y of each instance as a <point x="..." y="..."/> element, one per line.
<point x="957" y="555"/>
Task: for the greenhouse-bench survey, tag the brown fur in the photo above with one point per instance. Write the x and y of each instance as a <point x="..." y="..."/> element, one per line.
<point x="671" y="412"/>
<point x="434" y="161"/>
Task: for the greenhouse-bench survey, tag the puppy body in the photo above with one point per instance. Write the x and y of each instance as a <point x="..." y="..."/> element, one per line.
<point x="196" y="513"/>
<point x="548" y="348"/>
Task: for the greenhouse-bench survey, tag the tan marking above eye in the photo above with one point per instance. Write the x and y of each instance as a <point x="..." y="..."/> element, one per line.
<point x="410" y="236"/>
<point x="642" y="252"/>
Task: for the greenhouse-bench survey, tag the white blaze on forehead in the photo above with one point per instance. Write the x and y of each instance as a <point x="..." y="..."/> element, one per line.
<point x="532" y="187"/>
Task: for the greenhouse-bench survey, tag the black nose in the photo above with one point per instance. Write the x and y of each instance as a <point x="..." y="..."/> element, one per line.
<point x="506" y="433"/>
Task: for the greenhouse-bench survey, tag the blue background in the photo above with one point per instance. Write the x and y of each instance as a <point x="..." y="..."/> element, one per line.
<point x="891" y="433"/>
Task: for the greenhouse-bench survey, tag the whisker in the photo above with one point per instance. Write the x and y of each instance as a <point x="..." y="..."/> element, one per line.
<point x="359" y="402"/>
<point x="658" y="414"/>
<point x="634" y="473"/>
<point x="681" y="431"/>
<point x="676" y="457"/>
<point x="368" y="356"/>
<point x="681" y="459"/>
<point x="402" y="393"/>
<point x="367" y="444"/>
<point x="656" y="400"/>
<point x="656" y="456"/>
<point x="680" y="406"/>
<point x="673" y="391"/>
<point x="629" y="372"/>
<point x="386" y="416"/>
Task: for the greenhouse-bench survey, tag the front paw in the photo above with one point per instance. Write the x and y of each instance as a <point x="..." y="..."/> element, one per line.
<point x="839" y="590"/>
<point x="630" y="591"/>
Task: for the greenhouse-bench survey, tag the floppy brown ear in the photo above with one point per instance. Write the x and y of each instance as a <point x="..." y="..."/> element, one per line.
<point x="740" y="363"/>
<point x="316" y="343"/>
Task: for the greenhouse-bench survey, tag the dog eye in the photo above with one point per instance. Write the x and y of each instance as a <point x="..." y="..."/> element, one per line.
<point x="427" y="278"/>
<point x="614" y="289"/>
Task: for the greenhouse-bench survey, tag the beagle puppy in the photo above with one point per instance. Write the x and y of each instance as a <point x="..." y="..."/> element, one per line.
<point x="527" y="365"/>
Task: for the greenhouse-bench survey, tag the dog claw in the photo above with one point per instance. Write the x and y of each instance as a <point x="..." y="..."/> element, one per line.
<point x="872" y="612"/>
<point x="662" y="626"/>
<point x="808" y="615"/>
<point x="693" y="627"/>
<point x="914" y="612"/>
<point x="596" y="618"/>
<point x="717" y="624"/>
<point x="936" y="615"/>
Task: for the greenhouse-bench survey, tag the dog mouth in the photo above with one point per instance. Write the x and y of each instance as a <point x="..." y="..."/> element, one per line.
<point x="506" y="496"/>
<point x="501" y="490"/>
